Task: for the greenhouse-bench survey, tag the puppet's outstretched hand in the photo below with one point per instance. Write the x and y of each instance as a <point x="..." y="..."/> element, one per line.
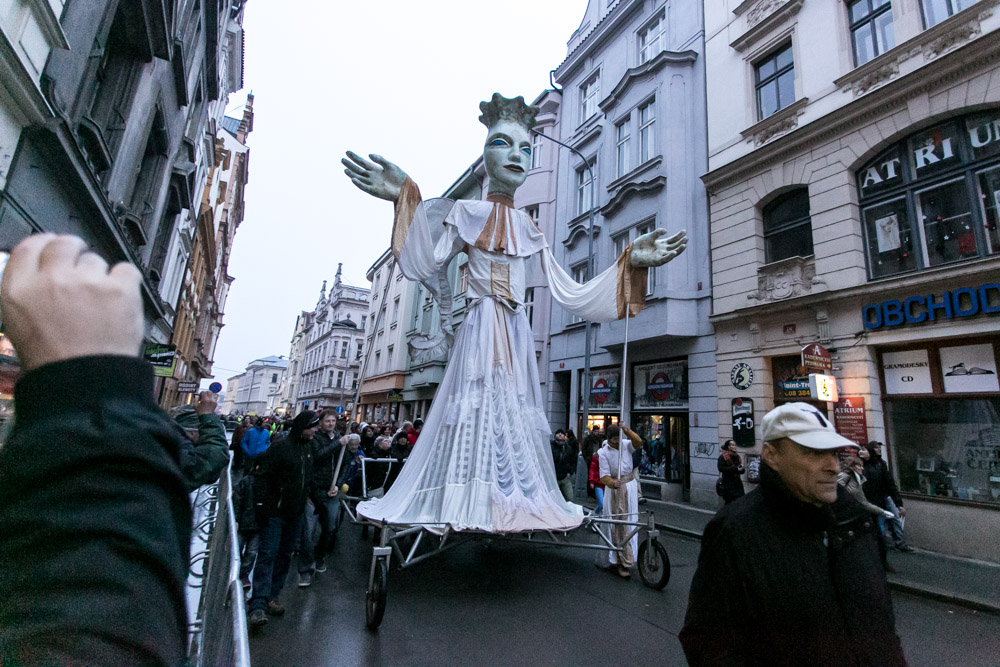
<point x="382" y="179"/>
<point x="653" y="249"/>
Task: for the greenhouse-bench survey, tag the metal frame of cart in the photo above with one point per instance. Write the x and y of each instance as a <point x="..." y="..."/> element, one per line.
<point x="414" y="543"/>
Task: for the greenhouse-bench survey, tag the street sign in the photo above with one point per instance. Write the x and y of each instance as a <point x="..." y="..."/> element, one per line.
<point x="816" y="358"/>
<point x="215" y="387"/>
<point x="339" y="409"/>
<point x="187" y="387"/>
<point x="849" y="418"/>
<point x="822" y="387"/>
<point x="743" y="423"/>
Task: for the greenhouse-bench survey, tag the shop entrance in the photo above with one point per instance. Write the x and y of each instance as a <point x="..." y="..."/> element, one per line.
<point x="602" y="421"/>
<point x="666" y="455"/>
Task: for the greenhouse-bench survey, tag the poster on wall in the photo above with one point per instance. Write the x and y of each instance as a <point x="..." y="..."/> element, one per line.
<point x="753" y="468"/>
<point x="849" y="418"/>
<point x="907" y="372"/>
<point x="605" y="390"/>
<point x="887" y="233"/>
<point x="660" y="385"/>
<point x="969" y="368"/>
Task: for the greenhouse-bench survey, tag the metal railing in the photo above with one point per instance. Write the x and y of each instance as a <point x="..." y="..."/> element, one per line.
<point x="217" y="629"/>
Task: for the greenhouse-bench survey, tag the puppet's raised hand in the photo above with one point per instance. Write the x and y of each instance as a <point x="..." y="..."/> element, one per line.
<point x="653" y="249"/>
<point x="382" y="179"/>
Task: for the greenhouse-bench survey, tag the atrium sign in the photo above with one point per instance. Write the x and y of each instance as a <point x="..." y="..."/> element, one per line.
<point x="962" y="302"/>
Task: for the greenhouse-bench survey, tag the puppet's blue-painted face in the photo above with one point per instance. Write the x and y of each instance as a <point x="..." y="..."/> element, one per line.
<point x="507" y="155"/>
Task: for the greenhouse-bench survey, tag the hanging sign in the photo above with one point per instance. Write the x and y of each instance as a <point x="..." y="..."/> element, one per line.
<point x="741" y="376"/>
<point x="743" y="424"/>
<point x="816" y="358"/>
<point x="187" y="387"/>
<point x="969" y="368"/>
<point x="822" y="387"/>
<point x="849" y="418"/>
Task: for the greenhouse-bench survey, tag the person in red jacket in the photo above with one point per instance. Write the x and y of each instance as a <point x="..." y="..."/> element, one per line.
<point x="594" y="482"/>
<point x="415" y="432"/>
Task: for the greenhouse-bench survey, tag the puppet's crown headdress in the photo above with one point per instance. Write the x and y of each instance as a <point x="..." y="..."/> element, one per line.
<point x="501" y="108"/>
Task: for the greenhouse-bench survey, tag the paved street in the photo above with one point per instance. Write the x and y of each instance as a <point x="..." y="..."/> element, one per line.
<point x="519" y="604"/>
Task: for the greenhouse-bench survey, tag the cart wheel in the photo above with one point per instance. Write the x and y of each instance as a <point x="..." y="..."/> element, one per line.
<point x="654" y="564"/>
<point x="375" y="597"/>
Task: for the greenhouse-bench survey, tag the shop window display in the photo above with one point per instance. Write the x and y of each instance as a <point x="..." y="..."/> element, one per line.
<point x="947" y="448"/>
<point x="933" y="199"/>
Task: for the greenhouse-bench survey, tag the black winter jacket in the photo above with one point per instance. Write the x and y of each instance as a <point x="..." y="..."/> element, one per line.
<point x="879" y="483"/>
<point x="564" y="457"/>
<point x="782" y="582"/>
<point x="732" y="485"/>
<point x="282" y="477"/>
<point x="325" y="451"/>
<point x="95" y="528"/>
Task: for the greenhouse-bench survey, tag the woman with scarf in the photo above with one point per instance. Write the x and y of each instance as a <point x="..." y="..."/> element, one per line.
<point x="730" y="468"/>
<point x="621" y="495"/>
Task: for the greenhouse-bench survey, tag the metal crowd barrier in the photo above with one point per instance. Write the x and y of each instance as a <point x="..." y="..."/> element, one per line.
<point x="217" y="628"/>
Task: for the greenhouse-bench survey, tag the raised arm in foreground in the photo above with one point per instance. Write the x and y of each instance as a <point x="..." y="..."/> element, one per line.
<point x="93" y="511"/>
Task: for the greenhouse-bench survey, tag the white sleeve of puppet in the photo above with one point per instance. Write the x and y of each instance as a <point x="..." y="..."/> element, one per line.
<point x="602" y="299"/>
<point x="603" y="466"/>
<point x="421" y="244"/>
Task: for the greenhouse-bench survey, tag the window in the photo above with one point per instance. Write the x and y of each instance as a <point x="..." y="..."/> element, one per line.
<point x="388" y="358"/>
<point x="871" y="29"/>
<point x="584" y="187"/>
<point x="647" y="131"/>
<point x="329" y="379"/>
<point x="532" y="212"/>
<point x="378" y="362"/>
<point x="463" y="278"/>
<point x="579" y="272"/>
<point x="364" y="321"/>
<point x="361" y="346"/>
<point x="775" y="82"/>
<point x="529" y="304"/>
<point x="536" y="150"/>
<point x="344" y="349"/>
<point x="340" y="379"/>
<point x="149" y="172"/>
<point x="588" y="96"/>
<point x="932" y="199"/>
<point x="274" y="378"/>
<point x="936" y="11"/>
<point x="117" y="74"/>
<point x="652" y="39"/>
<point x="651" y="274"/>
<point x="787" y="227"/>
<point x="621" y="242"/>
<point x="395" y="310"/>
<point x="624" y="139"/>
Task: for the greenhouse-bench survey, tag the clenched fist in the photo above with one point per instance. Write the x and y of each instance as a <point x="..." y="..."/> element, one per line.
<point x="60" y="301"/>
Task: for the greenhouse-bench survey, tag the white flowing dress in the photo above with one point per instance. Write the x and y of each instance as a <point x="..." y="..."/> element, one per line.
<point x="483" y="461"/>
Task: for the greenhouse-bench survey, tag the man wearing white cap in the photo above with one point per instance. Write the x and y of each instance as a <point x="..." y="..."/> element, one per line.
<point x="790" y="573"/>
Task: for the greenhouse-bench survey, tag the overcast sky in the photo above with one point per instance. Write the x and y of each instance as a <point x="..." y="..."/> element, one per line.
<point x="400" y="78"/>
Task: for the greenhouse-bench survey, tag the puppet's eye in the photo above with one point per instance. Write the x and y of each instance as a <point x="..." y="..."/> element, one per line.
<point x="498" y="142"/>
<point x="527" y="151"/>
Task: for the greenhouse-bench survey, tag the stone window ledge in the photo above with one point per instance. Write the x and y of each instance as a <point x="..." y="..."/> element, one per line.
<point x="776" y="124"/>
<point x="632" y="175"/>
<point x="762" y="19"/>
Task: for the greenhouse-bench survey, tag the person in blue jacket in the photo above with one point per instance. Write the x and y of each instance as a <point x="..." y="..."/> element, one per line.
<point x="255" y="442"/>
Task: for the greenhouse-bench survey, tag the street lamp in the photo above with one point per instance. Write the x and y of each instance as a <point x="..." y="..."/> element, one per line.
<point x="590" y="271"/>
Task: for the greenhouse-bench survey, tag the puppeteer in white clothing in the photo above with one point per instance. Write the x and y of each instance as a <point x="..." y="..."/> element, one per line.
<point x="483" y="461"/>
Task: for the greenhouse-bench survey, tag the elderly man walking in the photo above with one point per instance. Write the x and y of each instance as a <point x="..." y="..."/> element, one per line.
<point x="790" y="573"/>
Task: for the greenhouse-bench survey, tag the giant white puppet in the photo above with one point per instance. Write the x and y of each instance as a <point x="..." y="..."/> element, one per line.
<point x="483" y="460"/>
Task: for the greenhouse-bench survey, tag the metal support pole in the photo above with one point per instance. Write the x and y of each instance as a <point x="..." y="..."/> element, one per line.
<point x="590" y="269"/>
<point x="621" y="384"/>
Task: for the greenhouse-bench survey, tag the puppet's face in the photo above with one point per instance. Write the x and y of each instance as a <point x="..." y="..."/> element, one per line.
<point x="507" y="156"/>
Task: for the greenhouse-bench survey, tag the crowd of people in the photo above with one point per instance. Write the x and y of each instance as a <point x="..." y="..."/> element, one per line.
<point x="96" y="527"/>
<point x="291" y="476"/>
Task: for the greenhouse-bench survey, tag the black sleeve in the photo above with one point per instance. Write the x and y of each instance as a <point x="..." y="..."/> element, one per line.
<point x="890" y="485"/>
<point x="712" y="633"/>
<point x="95" y="520"/>
<point x="725" y="467"/>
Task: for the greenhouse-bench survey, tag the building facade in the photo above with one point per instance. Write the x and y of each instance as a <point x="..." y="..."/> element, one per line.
<point x="115" y="101"/>
<point x="255" y="386"/>
<point x="228" y="403"/>
<point x="854" y="198"/>
<point x="202" y="257"/>
<point x="330" y="343"/>
<point x="633" y="104"/>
